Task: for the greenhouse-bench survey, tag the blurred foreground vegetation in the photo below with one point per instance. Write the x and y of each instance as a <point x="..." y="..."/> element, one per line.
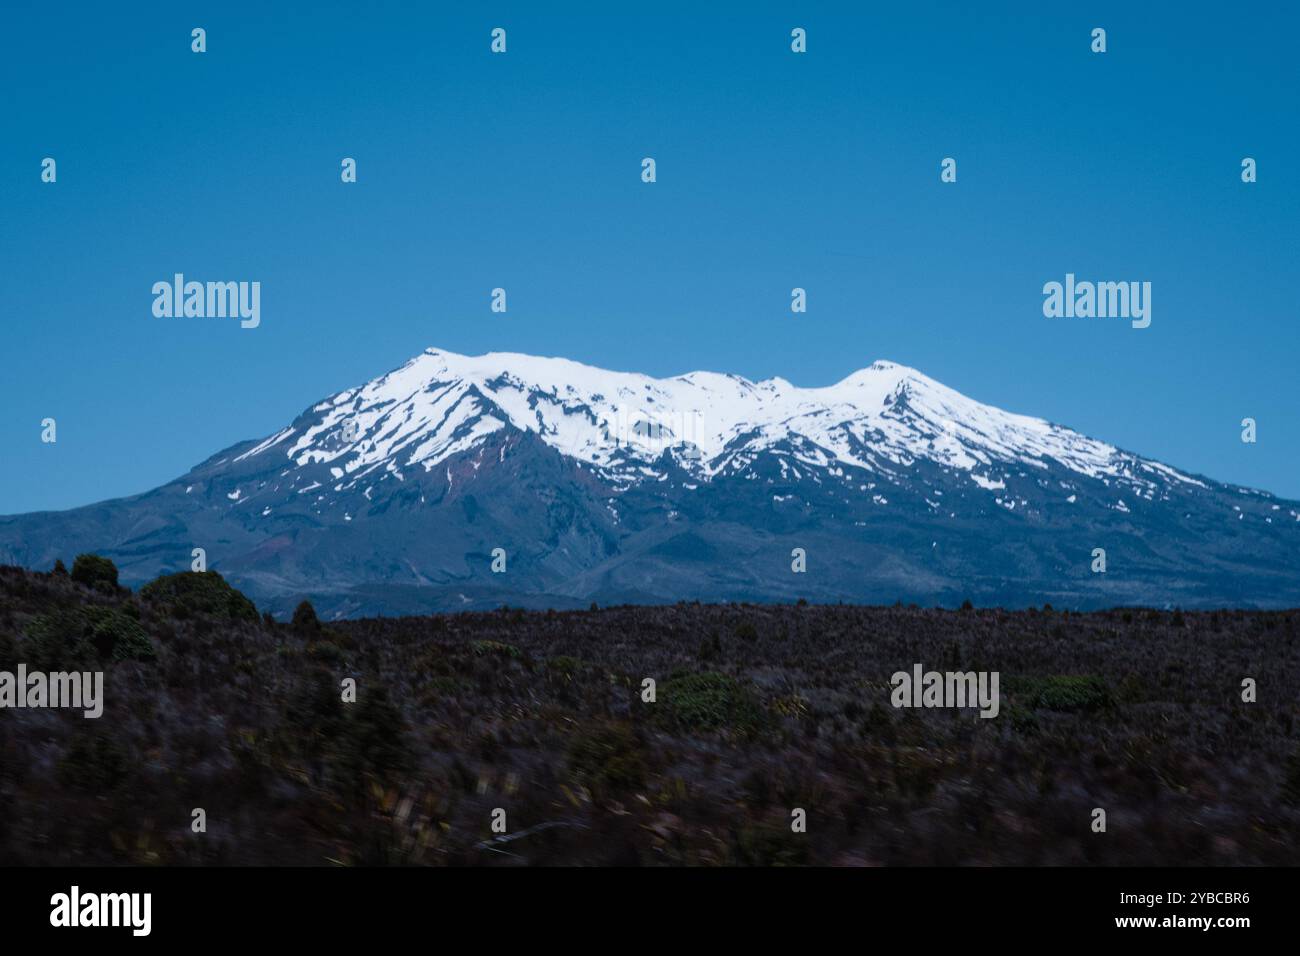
<point x="759" y="710"/>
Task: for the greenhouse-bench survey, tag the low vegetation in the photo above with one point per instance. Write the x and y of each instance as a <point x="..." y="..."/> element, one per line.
<point x="757" y="711"/>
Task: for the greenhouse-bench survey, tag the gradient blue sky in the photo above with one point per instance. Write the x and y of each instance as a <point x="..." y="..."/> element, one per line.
<point x="775" y="170"/>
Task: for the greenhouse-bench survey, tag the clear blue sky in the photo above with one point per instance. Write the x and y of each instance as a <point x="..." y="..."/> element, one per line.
<point x="775" y="170"/>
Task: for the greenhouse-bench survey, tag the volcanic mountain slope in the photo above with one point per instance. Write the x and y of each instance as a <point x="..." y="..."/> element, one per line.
<point x="615" y="487"/>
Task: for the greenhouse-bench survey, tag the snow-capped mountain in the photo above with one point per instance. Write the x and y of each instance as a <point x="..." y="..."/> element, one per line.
<point x="606" y="485"/>
<point x="879" y="421"/>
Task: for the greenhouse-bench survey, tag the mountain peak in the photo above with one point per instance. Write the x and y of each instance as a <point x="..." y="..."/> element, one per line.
<point x="878" y="419"/>
<point x="605" y="485"/>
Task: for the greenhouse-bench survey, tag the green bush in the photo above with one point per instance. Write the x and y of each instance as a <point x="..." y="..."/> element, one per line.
<point x="117" y="635"/>
<point x="58" y="641"/>
<point x="200" y="592"/>
<point x="607" y="757"/>
<point x="68" y="639"/>
<point x="710" y="701"/>
<point x="1069" y="693"/>
<point x="485" y="648"/>
<point x="765" y="844"/>
<point x="95" y="572"/>
<point x="1022" y="720"/>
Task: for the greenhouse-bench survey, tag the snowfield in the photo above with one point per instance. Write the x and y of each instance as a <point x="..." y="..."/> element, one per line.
<point x="883" y="418"/>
